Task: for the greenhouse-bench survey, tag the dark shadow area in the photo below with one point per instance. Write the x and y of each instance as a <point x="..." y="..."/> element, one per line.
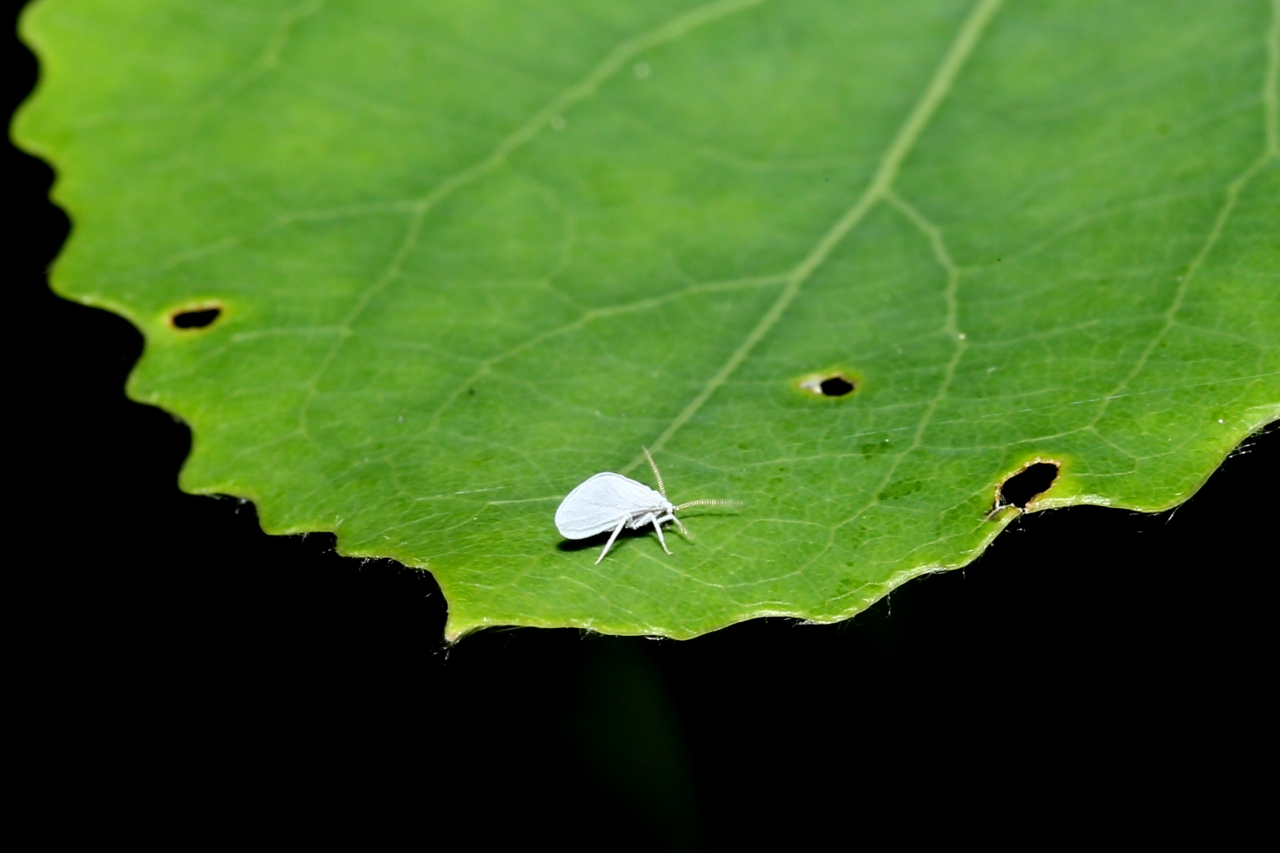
<point x="598" y="541"/>
<point x="171" y="662"/>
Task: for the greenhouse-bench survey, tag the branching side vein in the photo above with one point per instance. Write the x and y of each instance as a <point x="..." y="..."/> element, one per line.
<point x="881" y="181"/>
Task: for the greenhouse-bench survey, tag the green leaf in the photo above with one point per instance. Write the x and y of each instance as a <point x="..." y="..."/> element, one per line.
<point x="468" y="254"/>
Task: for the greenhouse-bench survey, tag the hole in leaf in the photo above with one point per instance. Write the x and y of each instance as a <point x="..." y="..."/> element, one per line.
<point x="1027" y="485"/>
<point x="834" y="385"/>
<point x="195" y="318"/>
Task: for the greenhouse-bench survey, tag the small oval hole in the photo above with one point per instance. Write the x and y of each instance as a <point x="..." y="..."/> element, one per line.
<point x="835" y="385"/>
<point x="1027" y="485"/>
<point x="195" y="318"/>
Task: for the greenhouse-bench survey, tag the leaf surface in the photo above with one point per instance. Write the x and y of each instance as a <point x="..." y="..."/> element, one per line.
<point x="465" y="255"/>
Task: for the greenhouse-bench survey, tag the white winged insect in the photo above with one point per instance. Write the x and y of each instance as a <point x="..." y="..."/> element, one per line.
<point x="608" y="501"/>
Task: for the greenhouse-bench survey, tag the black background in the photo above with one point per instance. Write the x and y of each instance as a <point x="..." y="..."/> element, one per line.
<point x="1093" y="664"/>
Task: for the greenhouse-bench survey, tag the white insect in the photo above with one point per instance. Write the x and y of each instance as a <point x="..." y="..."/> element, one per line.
<point x="609" y="501"/>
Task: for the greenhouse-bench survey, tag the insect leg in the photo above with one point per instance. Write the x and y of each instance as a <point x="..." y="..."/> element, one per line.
<point x="671" y="516"/>
<point x="679" y="523"/>
<point x="657" y="525"/>
<point x="609" y="544"/>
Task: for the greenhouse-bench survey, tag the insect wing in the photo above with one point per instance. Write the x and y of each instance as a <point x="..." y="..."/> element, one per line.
<point x="600" y="502"/>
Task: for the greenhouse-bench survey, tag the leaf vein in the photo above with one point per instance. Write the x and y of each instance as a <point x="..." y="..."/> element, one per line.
<point x="587" y="86"/>
<point x="1270" y="151"/>
<point x="940" y="85"/>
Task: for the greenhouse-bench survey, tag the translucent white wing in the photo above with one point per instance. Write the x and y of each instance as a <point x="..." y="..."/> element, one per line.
<point x="600" y="502"/>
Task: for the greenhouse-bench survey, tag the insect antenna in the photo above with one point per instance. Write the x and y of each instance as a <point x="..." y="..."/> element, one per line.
<point x="656" y="473"/>
<point x="709" y="502"/>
